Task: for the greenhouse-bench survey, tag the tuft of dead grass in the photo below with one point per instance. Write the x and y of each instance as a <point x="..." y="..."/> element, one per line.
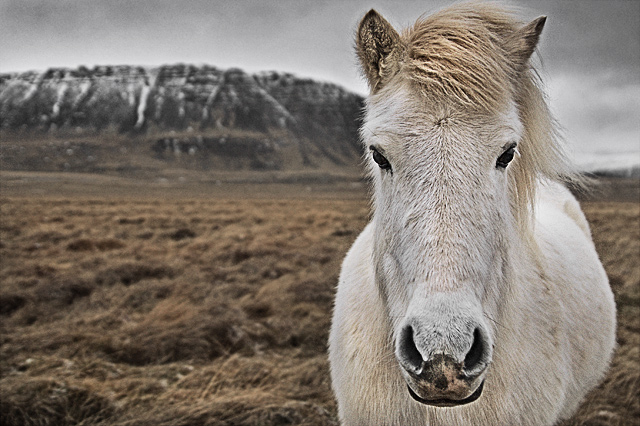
<point x="47" y="401"/>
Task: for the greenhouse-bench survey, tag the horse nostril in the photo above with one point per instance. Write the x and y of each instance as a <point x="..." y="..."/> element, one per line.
<point x="476" y="353"/>
<point x="408" y="350"/>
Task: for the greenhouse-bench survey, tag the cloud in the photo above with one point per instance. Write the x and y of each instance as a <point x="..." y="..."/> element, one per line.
<point x="598" y="110"/>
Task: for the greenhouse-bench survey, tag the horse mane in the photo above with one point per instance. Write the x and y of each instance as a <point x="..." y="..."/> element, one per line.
<point x="466" y="54"/>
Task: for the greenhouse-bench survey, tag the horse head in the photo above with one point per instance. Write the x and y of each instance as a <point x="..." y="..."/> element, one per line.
<point x="449" y="154"/>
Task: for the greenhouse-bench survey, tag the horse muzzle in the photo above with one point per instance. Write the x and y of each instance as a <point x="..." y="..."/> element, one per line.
<point x="444" y="378"/>
<point x="442" y="382"/>
<point x="447" y="402"/>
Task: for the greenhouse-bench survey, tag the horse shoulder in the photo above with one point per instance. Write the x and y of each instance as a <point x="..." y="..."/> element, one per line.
<point x="572" y="273"/>
<point x="559" y="195"/>
<point x="564" y="239"/>
<point x="356" y="292"/>
<point x="359" y="350"/>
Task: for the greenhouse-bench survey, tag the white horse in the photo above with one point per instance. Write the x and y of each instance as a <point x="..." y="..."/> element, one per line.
<point x="475" y="296"/>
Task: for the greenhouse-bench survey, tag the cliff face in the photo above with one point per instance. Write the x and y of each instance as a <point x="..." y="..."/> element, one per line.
<point x="207" y="104"/>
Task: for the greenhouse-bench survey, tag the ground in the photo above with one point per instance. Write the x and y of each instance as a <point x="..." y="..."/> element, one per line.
<point x="131" y="304"/>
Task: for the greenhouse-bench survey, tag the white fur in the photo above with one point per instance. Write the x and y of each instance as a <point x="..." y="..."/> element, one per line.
<point x="444" y="244"/>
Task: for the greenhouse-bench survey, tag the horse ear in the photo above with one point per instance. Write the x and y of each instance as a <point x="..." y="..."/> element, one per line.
<point x="522" y="43"/>
<point x="378" y="48"/>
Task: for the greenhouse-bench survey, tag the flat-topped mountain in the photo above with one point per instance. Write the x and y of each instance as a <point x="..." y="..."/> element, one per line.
<point x="224" y="118"/>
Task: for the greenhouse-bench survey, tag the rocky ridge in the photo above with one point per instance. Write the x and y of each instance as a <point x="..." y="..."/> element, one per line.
<point x="268" y="120"/>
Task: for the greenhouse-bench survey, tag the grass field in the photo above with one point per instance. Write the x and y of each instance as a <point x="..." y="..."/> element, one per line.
<point x="136" y="305"/>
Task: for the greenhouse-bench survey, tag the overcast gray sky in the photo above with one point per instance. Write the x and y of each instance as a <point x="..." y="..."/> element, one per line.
<point x="590" y="48"/>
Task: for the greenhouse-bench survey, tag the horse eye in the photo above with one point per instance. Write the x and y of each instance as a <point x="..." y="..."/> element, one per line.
<point x="380" y="159"/>
<point x="506" y="157"/>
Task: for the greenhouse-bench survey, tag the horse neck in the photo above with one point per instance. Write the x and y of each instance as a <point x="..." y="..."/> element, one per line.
<point x="522" y="274"/>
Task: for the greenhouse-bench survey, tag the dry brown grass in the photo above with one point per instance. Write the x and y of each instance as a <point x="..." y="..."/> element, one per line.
<point x="195" y="311"/>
